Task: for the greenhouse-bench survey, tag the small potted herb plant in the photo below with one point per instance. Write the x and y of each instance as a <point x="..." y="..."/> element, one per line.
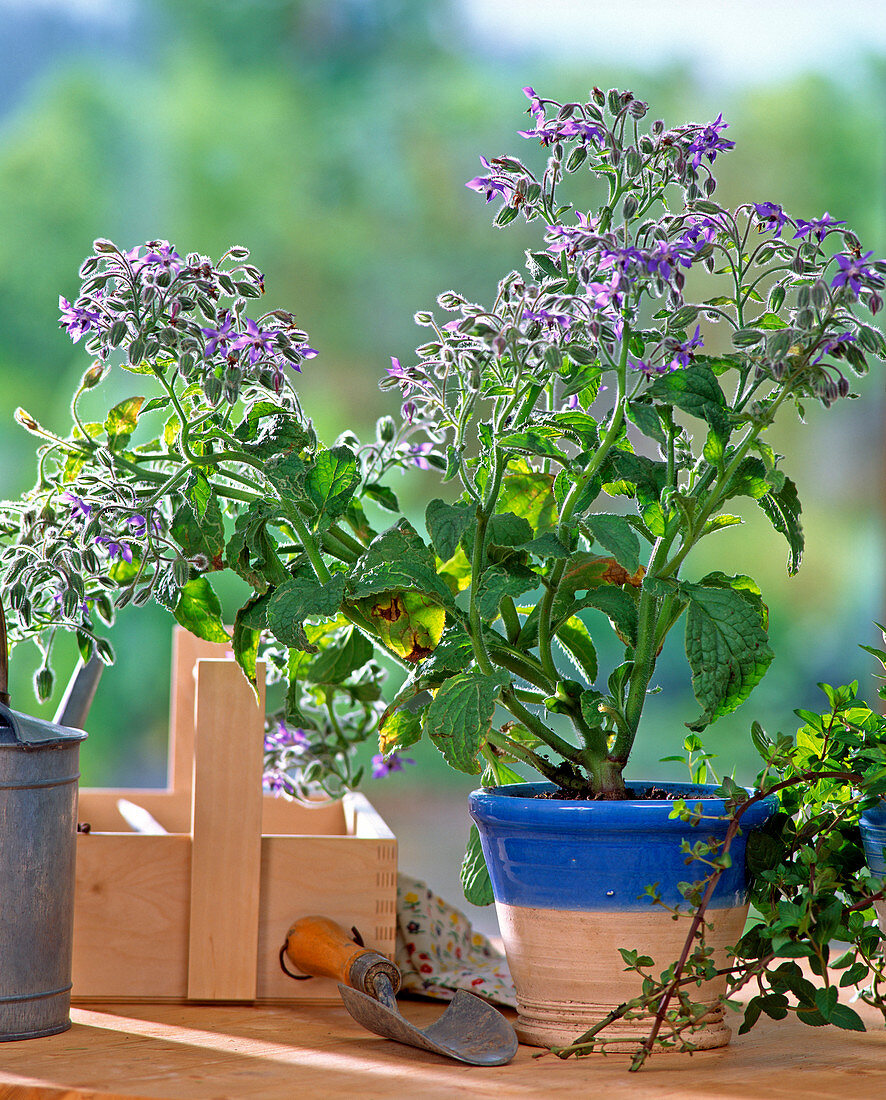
<point x="591" y="426"/>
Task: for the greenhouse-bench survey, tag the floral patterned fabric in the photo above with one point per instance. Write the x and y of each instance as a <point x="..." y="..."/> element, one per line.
<point x="438" y="952"/>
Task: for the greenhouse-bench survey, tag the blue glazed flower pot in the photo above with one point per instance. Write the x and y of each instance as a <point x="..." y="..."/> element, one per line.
<point x="569" y="880"/>
<point x="873" y="835"/>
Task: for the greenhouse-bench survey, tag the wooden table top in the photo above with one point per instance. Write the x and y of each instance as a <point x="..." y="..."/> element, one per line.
<point x="211" y="1052"/>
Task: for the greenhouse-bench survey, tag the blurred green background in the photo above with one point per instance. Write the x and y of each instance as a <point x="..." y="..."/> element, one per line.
<point x="333" y="138"/>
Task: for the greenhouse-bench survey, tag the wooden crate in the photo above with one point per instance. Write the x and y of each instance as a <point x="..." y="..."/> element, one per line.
<point x="200" y="914"/>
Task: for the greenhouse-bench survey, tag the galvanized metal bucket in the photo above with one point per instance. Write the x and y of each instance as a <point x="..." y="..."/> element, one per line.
<point x="39" y="769"/>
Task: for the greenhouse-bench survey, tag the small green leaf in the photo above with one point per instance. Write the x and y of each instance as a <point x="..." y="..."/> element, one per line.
<point x="298" y="599"/>
<point x="475" y="879"/>
<point x="575" y="639"/>
<point x="616" y="535"/>
<point x="400" y="730"/>
<point x="459" y="718"/>
<point x="727" y="647"/>
<point x="382" y="495"/>
<point x="533" y="443"/>
<point x="198" y="610"/>
<point x="198" y="493"/>
<point x="335" y="663"/>
<point x="783" y="511"/>
<point x="508" y="529"/>
<point x="447" y="525"/>
<point x="695" y="390"/>
<point x="331" y="480"/>
<point x="246" y="641"/>
<point x="498" y="582"/>
<point x="121" y="421"/>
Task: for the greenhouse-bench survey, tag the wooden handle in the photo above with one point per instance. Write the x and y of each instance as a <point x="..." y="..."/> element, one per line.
<point x="319" y="946"/>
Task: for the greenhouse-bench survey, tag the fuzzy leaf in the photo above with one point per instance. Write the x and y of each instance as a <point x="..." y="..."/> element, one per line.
<point x="727" y="647"/>
<point x="246" y="640"/>
<point x="331" y="480"/>
<point x="475" y="879"/>
<point x="121" y="422"/>
<point x="615" y="534"/>
<point x="783" y="510"/>
<point x="198" y="610"/>
<point x="575" y="639"/>
<point x="497" y="582"/>
<point x="401" y="730"/>
<point x="296" y="600"/>
<point x="335" y="663"/>
<point x="530" y="495"/>
<point x="447" y="524"/>
<point x="695" y="390"/>
<point x="459" y="717"/>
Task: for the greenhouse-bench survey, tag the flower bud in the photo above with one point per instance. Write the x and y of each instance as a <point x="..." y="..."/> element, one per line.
<point x="43" y="681"/>
<point x="385" y="429"/>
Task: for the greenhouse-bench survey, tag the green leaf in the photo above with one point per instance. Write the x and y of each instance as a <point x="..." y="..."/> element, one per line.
<point x="530" y="495"/>
<point x="533" y="443"/>
<point x="713" y="449"/>
<point x="399" y="730"/>
<point x="844" y="1017"/>
<point x="826" y="1000"/>
<point x="447" y="524"/>
<point x="749" y="480"/>
<point x="382" y="495"/>
<point x="475" y="879"/>
<point x="547" y="546"/>
<point x="617" y="605"/>
<point x="575" y="639"/>
<point x="727" y="647"/>
<point x="717" y="523"/>
<point x="286" y="472"/>
<point x="331" y="481"/>
<point x="769" y="321"/>
<point x="251" y="551"/>
<point x="198" y="610"/>
<point x="783" y="512"/>
<point x="498" y="582"/>
<point x="459" y="717"/>
<point x="246" y="640"/>
<point x="508" y="529"/>
<point x="335" y="663"/>
<point x="198" y="493"/>
<point x="616" y="535"/>
<point x="269" y="430"/>
<point x="644" y="415"/>
<point x="121" y="421"/>
<point x="695" y="390"/>
<point x="300" y="598"/>
<point x="199" y="538"/>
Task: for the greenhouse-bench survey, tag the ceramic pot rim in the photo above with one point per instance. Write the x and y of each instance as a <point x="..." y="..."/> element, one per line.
<point x="516" y="802"/>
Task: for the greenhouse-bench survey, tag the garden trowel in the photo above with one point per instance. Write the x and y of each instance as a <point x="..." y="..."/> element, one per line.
<point x="470" y="1030"/>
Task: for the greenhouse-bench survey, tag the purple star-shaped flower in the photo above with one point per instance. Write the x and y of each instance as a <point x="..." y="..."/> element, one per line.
<point x="284" y="737"/>
<point x="490" y="185"/>
<point x="683" y="353"/>
<point x="771" y="216"/>
<point x="79" y="508"/>
<point x="384" y="765"/>
<point x="75" y="320"/>
<point x="706" y="142"/>
<point x="818" y="227"/>
<point x="563" y="320"/>
<point x="833" y="344"/>
<point x="115" y="549"/>
<point x="256" y="342"/>
<point x="139" y="525"/>
<point x="222" y="337"/>
<point x="162" y="254"/>
<point x="395" y="370"/>
<point x="417" y="452"/>
<point x="852" y="270"/>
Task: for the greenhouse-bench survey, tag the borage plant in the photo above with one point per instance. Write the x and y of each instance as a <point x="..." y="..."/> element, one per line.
<point x="579" y="387"/>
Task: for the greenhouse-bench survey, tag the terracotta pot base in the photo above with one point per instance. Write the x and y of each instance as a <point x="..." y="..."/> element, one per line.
<point x="575" y="955"/>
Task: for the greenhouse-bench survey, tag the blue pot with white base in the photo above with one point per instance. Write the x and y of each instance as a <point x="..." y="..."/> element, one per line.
<point x="873" y="835"/>
<point x="570" y="878"/>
